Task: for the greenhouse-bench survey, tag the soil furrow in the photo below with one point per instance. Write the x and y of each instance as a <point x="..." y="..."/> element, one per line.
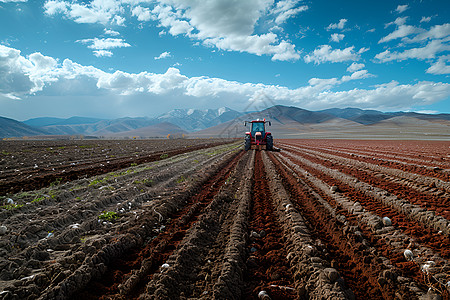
<point x="382" y="204"/>
<point x="266" y="265"/>
<point x="146" y="261"/>
<point x="406" y="166"/>
<point x="407" y="186"/>
<point x="387" y="240"/>
<point x="44" y="177"/>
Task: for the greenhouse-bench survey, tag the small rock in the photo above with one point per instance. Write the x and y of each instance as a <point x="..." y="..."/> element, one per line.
<point x="74" y="226"/>
<point x="9" y="201"/>
<point x="254" y="235"/>
<point x="387" y="221"/>
<point x="408" y="255"/>
<point x="264" y="296"/>
<point x="165" y="266"/>
<point x="334" y="189"/>
<point x="262" y="233"/>
<point x="3" y="229"/>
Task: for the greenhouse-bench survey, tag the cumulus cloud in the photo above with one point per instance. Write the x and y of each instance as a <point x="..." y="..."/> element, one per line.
<point x="435" y="32"/>
<point x="107" y="43"/>
<point x="228" y="26"/>
<point x="102" y="46"/>
<point x="339" y="25"/>
<point x="163" y="55"/>
<point x="21" y="76"/>
<point x="337" y="37"/>
<point x="101" y="53"/>
<point x="401" y="8"/>
<point x="325" y="54"/>
<point x="440" y="67"/>
<point x="355" y="67"/>
<point x="142" y="13"/>
<point x="111" y="32"/>
<point x="427" y="52"/>
<point x="400" y="32"/>
<point x="98" y="11"/>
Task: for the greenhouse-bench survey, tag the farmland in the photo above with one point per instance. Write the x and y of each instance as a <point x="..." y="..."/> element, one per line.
<point x="203" y="219"/>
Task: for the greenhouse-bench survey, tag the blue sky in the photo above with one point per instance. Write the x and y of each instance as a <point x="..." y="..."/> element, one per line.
<point x="116" y="58"/>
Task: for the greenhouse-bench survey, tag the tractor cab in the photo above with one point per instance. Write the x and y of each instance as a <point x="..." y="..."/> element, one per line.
<point x="258" y="137"/>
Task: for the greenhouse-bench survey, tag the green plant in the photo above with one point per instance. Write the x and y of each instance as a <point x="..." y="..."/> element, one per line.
<point x="37" y="199"/>
<point x="11" y="206"/>
<point x="53" y="193"/>
<point x="164" y="156"/>
<point x="109" y="216"/>
<point x="181" y="179"/>
<point x="133" y="164"/>
<point x="5" y="153"/>
<point x="97" y="181"/>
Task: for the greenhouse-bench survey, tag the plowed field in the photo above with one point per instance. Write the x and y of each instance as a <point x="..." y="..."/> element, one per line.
<point x="320" y="219"/>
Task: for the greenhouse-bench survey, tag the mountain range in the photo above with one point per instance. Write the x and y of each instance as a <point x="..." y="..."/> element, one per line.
<point x="287" y="122"/>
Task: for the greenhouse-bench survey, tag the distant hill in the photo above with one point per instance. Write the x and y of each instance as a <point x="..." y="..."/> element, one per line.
<point x="12" y="128"/>
<point x="47" y="121"/>
<point x="157" y="130"/>
<point x="196" y="119"/>
<point x="187" y="120"/>
<point x="287" y="122"/>
<point x="293" y="122"/>
<point x="103" y="127"/>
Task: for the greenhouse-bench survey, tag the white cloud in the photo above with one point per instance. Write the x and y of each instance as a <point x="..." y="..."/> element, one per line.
<point x="440" y="67"/>
<point x="55" y="7"/>
<point x="21" y="76"/>
<point x="111" y="32"/>
<point x="339" y="25"/>
<point x="427" y="52"/>
<point x="400" y="32"/>
<point x="357" y="75"/>
<point x="106" y="43"/>
<point x="142" y="13"/>
<point x="229" y="26"/>
<point x="337" y="37"/>
<point x="435" y="32"/>
<point x="325" y="54"/>
<point x="102" y="53"/>
<point x="401" y="8"/>
<point x="163" y="55"/>
<point x="286" y="9"/>
<point x="355" y="67"/>
<point x="98" y="11"/>
<point x="425" y="19"/>
<point x="399" y="21"/>
<point x="266" y="44"/>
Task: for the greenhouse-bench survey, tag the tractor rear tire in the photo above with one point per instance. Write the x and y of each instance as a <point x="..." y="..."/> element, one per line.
<point x="247" y="143"/>
<point x="269" y="143"/>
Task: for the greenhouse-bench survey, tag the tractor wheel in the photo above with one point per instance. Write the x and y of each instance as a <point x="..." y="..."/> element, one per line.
<point x="269" y="143"/>
<point x="247" y="143"/>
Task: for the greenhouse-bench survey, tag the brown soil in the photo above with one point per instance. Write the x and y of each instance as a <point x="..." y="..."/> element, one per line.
<point x="211" y="221"/>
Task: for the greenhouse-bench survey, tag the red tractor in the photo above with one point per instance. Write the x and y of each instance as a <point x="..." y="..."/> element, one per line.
<point x="258" y="138"/>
